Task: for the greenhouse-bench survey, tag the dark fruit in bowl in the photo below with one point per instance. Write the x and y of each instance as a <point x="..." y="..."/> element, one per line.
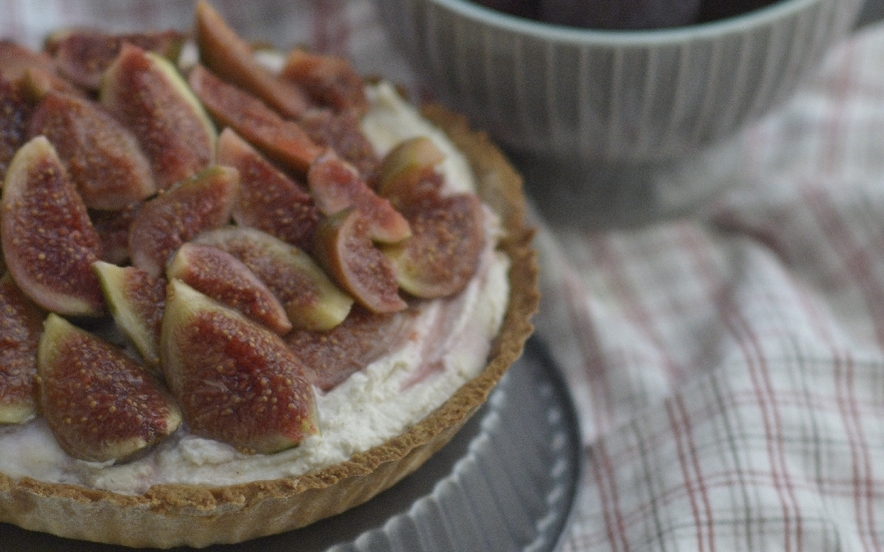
<point x="620" y="14"/>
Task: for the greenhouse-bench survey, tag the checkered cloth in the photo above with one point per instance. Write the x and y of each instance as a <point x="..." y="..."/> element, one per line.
<point x="728" y="366"/>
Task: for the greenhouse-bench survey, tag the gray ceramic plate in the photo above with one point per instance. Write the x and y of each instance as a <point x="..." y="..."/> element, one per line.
<point x="507" y="481"/>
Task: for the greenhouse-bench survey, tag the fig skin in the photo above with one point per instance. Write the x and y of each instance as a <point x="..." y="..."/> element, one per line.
<point x="48" y="240"/>
<point x="311" y="299"/>
<point x="268" y="199"/>
<point x="135" y="300"/>
<point x="21" y="324"/>
<point x="407" y="173"/>
<point x="344" y="250"/>
<point x="82" y="56"/>
<point x="337" y="186"/>
<point x="232" y="59"/>
<point x="282" y="140"/>
<point x="148" y="95"/>
<point x="224" y="278"/>
<point x="99" y="404"/>
<point x="102" y="157"/>
<point x="197" y="205"/>
<point x="236" y="381"/>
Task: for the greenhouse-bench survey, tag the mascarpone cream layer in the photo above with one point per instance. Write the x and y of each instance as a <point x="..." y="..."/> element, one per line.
<point x="390" y="395"/>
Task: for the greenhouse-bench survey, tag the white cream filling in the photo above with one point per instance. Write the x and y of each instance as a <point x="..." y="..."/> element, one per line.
<point x="367" y="409"/>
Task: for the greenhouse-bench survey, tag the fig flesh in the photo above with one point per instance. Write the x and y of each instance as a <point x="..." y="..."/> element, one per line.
<point x="113" y="229"/>
<point x="331" y="357"/>
<point x="408" y="171"/>
<point x="15" y="60"/>
<point x="283" y="141"/>
<point x="199" y="204"/>
<point x="21" y="324"/>
<point x="148" y="95"/>
<point x="135" y="300"/>
<point x="268" y="199"/>
<point x="99" y="404"/>
<point x="48" y="241"/>
<point x="336" y="186"/>
<point x="103" y="159"/>
<point x="341" y="132"/>
<point x="330" y="81"/>
<point x="310" y="298"/>
<point x="226" y="279"/>
<point x="344" y="249"/>
<point x="441" y="256"/>
<point x="232" y="59"/>
<point x="82" y="56"/>
<point x="236" y="381"/>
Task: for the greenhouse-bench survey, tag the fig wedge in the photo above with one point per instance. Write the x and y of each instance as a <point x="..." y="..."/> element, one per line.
<point x="16" y="112"/>
<point x="232" y="59"/>
<point x="148" y="95"/>
<point x="336" y="186"/>
<point x="341" y="132"/>
<point x="103" y="158"/>
<point x="331" y="357"/>
<point x="330" y="81"/>
<point x="16" y="59"/>
<point x="283" y="141"/>
<point x="135" y="300"/>
<point x="113" y="229"/>
<point x="344" y="250"/>
<point x="48" y="240"/>
<point x="441" y="256"/>
<point x="21" y="324"/>
<point x="226" y="279"/>
<point x="310" y="298"/>
<point x="407" y="172"/>
<point x="236" y="381"/>
<point x="100" y="404"/>
<point x="268" y="199"/>
<point x="199" y="204"/>
<point x="82" y="56"/>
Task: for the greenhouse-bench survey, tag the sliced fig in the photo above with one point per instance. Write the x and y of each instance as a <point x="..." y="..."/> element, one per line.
<point x="345" y="250"/>
<point x="99" y="403"/>
<point x="16" y="59"/>
<point x="283" y="141"/>
<point x="232" y="59"/>
<point x="38" y="82"/>
<point x="48" y="240"/>
<point x="408" y="170"/>
<point x="135" y="300"/>
<point x="83" y="55"/>
<point x="268" y="199"/>
<point x="226" y="279"/>
<point x="16" y="112"/>
<point x="21" y="324"/>
<point x="201" y="203"/>
<point x="113" y="229"/>
<point x="310" y="298"/>
<point x="103" y="158"/>
<point x="329" y="80"/>
<point x="148" y="95"/>
<point x="336" y="186"/>
<point x="441" y="256"/>
<point x="236" y="381"/>
<point x="331" y="357"/>
<point x="341" y="132"/>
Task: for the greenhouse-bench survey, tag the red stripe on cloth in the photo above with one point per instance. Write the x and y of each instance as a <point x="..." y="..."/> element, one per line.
<point x="680" y="422"/>
<point x="603" y="474"/>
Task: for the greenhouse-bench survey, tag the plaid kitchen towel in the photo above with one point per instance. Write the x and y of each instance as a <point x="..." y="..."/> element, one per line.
<point x="728" y="365"/>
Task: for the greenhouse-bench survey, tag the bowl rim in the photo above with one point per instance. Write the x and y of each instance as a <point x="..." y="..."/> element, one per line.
<point x="737" y="24"/>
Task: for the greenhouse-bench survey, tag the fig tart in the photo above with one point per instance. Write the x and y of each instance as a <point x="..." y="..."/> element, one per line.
<point x="242" y="290"/>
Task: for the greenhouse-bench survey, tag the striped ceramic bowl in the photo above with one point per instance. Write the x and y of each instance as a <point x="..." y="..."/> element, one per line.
<point x="569" y="93"/>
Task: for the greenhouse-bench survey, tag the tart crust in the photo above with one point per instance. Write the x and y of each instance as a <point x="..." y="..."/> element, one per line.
<point x="174" y="515"/>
